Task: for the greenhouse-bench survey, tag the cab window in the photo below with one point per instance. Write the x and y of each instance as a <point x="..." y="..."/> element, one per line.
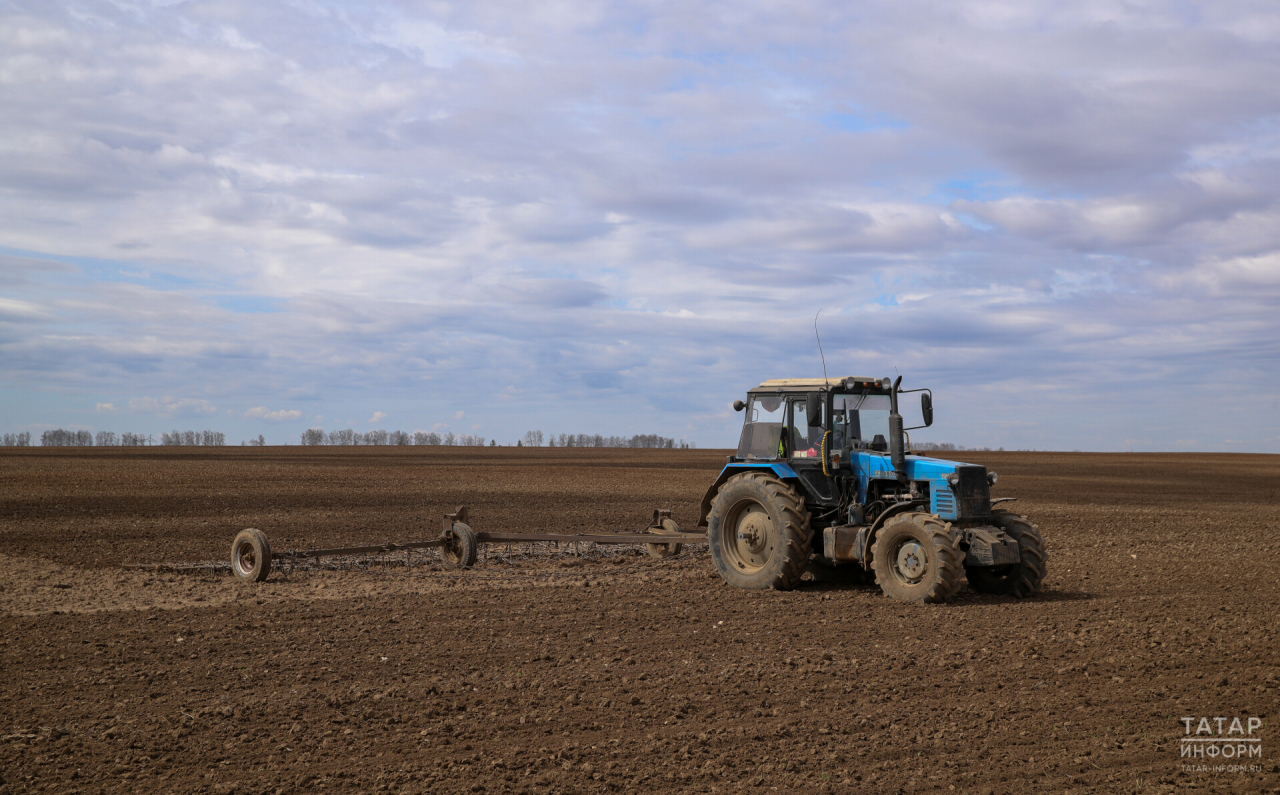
<point x="806" y="442"/>
<point x="762" y="431"/>
<point x="859" y="419"/>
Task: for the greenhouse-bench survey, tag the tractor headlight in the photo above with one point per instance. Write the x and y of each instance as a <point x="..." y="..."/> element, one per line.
<point x="953" y="480"/>
<point x="992" y="477"/>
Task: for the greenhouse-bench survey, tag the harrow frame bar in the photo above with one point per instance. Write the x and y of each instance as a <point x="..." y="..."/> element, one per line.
<point x="656" y="538"/>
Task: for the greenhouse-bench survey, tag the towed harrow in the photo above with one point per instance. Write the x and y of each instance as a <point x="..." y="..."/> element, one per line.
<point x="252" y="558"/>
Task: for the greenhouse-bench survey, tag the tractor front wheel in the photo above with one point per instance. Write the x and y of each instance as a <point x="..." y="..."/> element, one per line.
<point x="759" y="533"/>
<point x="917" y="558"/>
<point x="1021" y="579"/>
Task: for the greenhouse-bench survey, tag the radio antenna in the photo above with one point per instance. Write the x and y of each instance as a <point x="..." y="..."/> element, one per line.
<point x="825" y="380"/>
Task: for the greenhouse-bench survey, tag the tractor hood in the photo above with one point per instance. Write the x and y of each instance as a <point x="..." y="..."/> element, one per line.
<point x="919" y="467"/>
<point x="956" y="490"/>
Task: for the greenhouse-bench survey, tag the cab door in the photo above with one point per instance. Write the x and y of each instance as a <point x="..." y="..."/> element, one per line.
<point x="803" y="441"/>
<point x="804" y="449"/>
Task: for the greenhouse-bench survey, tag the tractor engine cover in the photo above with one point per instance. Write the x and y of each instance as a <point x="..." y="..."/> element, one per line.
<point x="989" y="546"/>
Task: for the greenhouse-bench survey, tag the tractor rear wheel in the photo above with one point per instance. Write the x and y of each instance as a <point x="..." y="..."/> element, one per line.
<point x="1021" y="579"/>
<point x="917" y="558"/>
<point x="759" y="533"/>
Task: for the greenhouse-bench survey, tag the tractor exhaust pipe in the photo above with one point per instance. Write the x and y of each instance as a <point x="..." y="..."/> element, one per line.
<point x="897" y="438"/>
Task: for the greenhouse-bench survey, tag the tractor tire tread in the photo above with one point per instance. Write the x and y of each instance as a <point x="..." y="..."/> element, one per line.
<point x="1031" y="548"/>
<point x="946" y="545"/>
<point x="795" y="533"/>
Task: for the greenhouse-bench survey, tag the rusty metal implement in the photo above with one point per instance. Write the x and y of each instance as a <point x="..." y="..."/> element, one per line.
<point x="252" y="556"/>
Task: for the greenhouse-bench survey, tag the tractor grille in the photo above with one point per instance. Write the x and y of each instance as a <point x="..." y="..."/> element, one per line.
<point x="973" y="491"/>
<point x="943" y="503"/>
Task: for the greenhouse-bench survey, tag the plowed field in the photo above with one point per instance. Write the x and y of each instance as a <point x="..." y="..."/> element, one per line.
<point x="618" y="673"/>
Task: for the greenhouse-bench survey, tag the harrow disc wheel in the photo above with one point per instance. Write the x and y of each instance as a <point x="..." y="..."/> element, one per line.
<point x="759" y="533"/>
<point x="251" y="555"/>
<point x="668" y="528"/>
<point x="461" y="547"/>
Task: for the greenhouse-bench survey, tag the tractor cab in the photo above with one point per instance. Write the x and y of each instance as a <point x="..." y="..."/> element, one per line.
<point x="792" y="419"/>
<point x="823" y="470"/>
<point x="836" y="437"/>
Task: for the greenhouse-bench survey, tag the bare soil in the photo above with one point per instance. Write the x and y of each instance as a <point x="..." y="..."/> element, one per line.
<point x="612" y="673"/>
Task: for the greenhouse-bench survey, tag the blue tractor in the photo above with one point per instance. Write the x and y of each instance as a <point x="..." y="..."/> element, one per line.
<point x="823" y="480"/>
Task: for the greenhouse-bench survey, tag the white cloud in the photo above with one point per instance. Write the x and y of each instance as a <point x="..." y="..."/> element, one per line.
<point x="1248" y="275"/>
<point x="168" y="407"/>
<point x="13" y="309"/>
<point x="831" y="228"/>
<point x="378" y="416"/>
<point x="233" y="38"/>
<point x="439" y="47"/>
<point x="280" y="415"/>
<point x="105" y="408"/>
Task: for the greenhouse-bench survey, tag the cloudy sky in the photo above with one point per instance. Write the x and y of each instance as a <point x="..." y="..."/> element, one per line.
<point x="259" y="217"/>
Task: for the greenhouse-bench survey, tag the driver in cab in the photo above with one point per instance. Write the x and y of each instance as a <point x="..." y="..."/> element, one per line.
<point x="806" y="441"/>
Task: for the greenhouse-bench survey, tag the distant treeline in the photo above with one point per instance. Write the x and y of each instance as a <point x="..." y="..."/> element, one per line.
<point x="64" y="438"/>
<point x="348" y="437"/>
<point x="949" y="446"/>
<point x="644" y="441"/>
<point x="317" y="436"/>
<point x="945" y="446"/>
<point x="194" y="438"/>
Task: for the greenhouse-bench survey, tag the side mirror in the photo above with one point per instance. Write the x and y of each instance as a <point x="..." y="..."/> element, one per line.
<point x="813" y="409"/>
<point x="738" y="405"/>
<point x="926" y="408"/>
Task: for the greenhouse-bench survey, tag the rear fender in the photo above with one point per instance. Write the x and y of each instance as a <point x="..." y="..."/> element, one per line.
<point x="783" y="471"/>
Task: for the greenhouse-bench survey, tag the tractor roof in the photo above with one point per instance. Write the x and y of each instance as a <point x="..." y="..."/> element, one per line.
<point x="804" y="384"/>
